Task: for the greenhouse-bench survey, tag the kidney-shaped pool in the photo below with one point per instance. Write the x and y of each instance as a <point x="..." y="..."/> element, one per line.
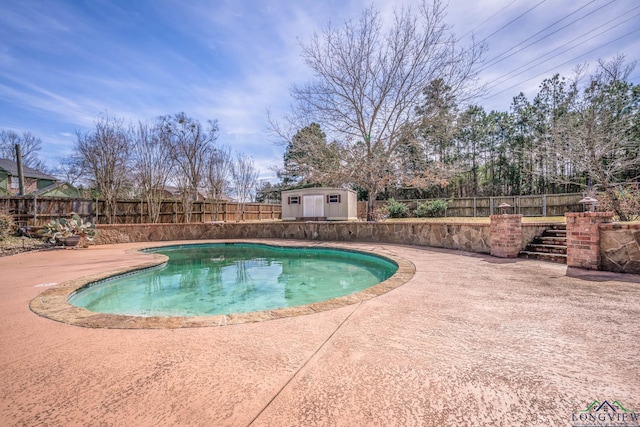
<point x="225" y="278"/>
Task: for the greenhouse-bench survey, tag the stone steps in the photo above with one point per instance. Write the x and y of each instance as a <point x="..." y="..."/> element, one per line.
<point x="559" y="258"/>
<point x="550" y="246"/>
<point x="553" y="240"/>
<point x="547" y="249"/>
<point x="555" y="233"/>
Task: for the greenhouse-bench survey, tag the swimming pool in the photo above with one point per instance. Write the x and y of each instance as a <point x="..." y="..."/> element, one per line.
<point x="225" y="278"/>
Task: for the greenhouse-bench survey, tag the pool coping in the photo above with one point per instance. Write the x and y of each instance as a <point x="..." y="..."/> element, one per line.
<point x="53" y="302"/>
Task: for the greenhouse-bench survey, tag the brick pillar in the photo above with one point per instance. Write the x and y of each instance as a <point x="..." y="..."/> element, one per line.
<point x="506" y="235"/>
<point x="583" y="238"/>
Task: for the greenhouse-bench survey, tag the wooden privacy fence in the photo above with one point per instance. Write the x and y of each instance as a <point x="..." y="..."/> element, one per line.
<point x="33" y="211"/>
<point x="538" y="205"/>
<point x="28" y="210"/>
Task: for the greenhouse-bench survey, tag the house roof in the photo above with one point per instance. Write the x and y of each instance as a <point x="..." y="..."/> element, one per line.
<point x="11" y="168"/>
<point x="59" y="184"/>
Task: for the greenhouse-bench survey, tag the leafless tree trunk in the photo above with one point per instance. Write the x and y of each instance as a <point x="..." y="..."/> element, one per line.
<point x="245" y="179"/>
<point x="104" y="154"/>
<point x="190" y="143"/>
<point x="29" y="147"/>
<point x="69" y="169"/>
<point x="219" y="166"/>
<point x="153" y="165"/>
<point x="368" y="83"/>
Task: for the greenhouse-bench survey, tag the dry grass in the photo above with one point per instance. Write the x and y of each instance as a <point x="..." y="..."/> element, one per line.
<point x="13" y="245"/>
<point x="476" y="220"/>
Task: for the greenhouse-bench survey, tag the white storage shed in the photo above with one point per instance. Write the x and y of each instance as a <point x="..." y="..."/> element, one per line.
<point x="320" y="204"/>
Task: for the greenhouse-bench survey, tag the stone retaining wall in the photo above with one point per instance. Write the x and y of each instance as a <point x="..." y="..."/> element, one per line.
<point x="473" y="237"/>
<point x="620" y="248"/>
<point x="464" y="236"/>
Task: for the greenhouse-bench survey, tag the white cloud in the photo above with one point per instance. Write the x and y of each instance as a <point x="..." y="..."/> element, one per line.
<point x="66" y="65"/>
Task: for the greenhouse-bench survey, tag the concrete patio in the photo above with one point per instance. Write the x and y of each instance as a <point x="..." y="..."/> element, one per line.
<point x="470" y="340"/>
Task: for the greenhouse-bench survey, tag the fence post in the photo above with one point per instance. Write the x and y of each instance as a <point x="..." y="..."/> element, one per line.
<point x="544" y="205"/>
<point x="490" y="206"/>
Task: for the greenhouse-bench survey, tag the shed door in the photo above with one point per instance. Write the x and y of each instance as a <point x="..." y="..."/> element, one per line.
<point x="313" y="206"/>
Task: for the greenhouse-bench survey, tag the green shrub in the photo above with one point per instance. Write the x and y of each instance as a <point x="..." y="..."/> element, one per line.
<point x="421" y="210"/>
<point x="396" y="209"/>
<point x="6" y="225"/>
<point x="431" y="209"/>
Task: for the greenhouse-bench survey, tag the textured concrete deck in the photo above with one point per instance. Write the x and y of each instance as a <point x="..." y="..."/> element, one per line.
<point x="469" y="340"/>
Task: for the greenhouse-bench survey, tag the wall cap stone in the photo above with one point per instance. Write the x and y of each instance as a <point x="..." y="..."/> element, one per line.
<point x="589" y="214"/>
<point x="620" y="226"/>
<point x="505" y="216"/>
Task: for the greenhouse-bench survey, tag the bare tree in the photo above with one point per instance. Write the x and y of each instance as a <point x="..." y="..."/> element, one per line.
<point x="30" y="145"/>
<point x="69" y="169"/>
<point x="219" y="166"/>
<point x="244" y="178"/>
<point x="368" y="84"/>
<point x="604" y="130"/>
<point x="153" y="165"/>
<point x="190" y="143"/>
<point x="104" y="154"/>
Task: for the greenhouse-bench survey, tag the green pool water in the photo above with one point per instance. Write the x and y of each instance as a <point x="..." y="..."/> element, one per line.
<point x="207" y="279"/>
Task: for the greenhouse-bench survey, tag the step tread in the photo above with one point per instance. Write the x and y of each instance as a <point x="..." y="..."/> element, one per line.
<point x="549" y="251"/>
<point x="549" y="243"/>
<point x="557" y="258"/>
<point x="546" y="245"/>
<point x="544" y="254"/>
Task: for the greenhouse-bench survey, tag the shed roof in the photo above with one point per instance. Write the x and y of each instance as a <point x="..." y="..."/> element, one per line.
<point x="11" y="168"/>
<point x="316" y="189"/>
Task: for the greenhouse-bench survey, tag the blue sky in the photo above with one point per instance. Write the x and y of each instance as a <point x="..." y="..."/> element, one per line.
<point x="63" y="63"/>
